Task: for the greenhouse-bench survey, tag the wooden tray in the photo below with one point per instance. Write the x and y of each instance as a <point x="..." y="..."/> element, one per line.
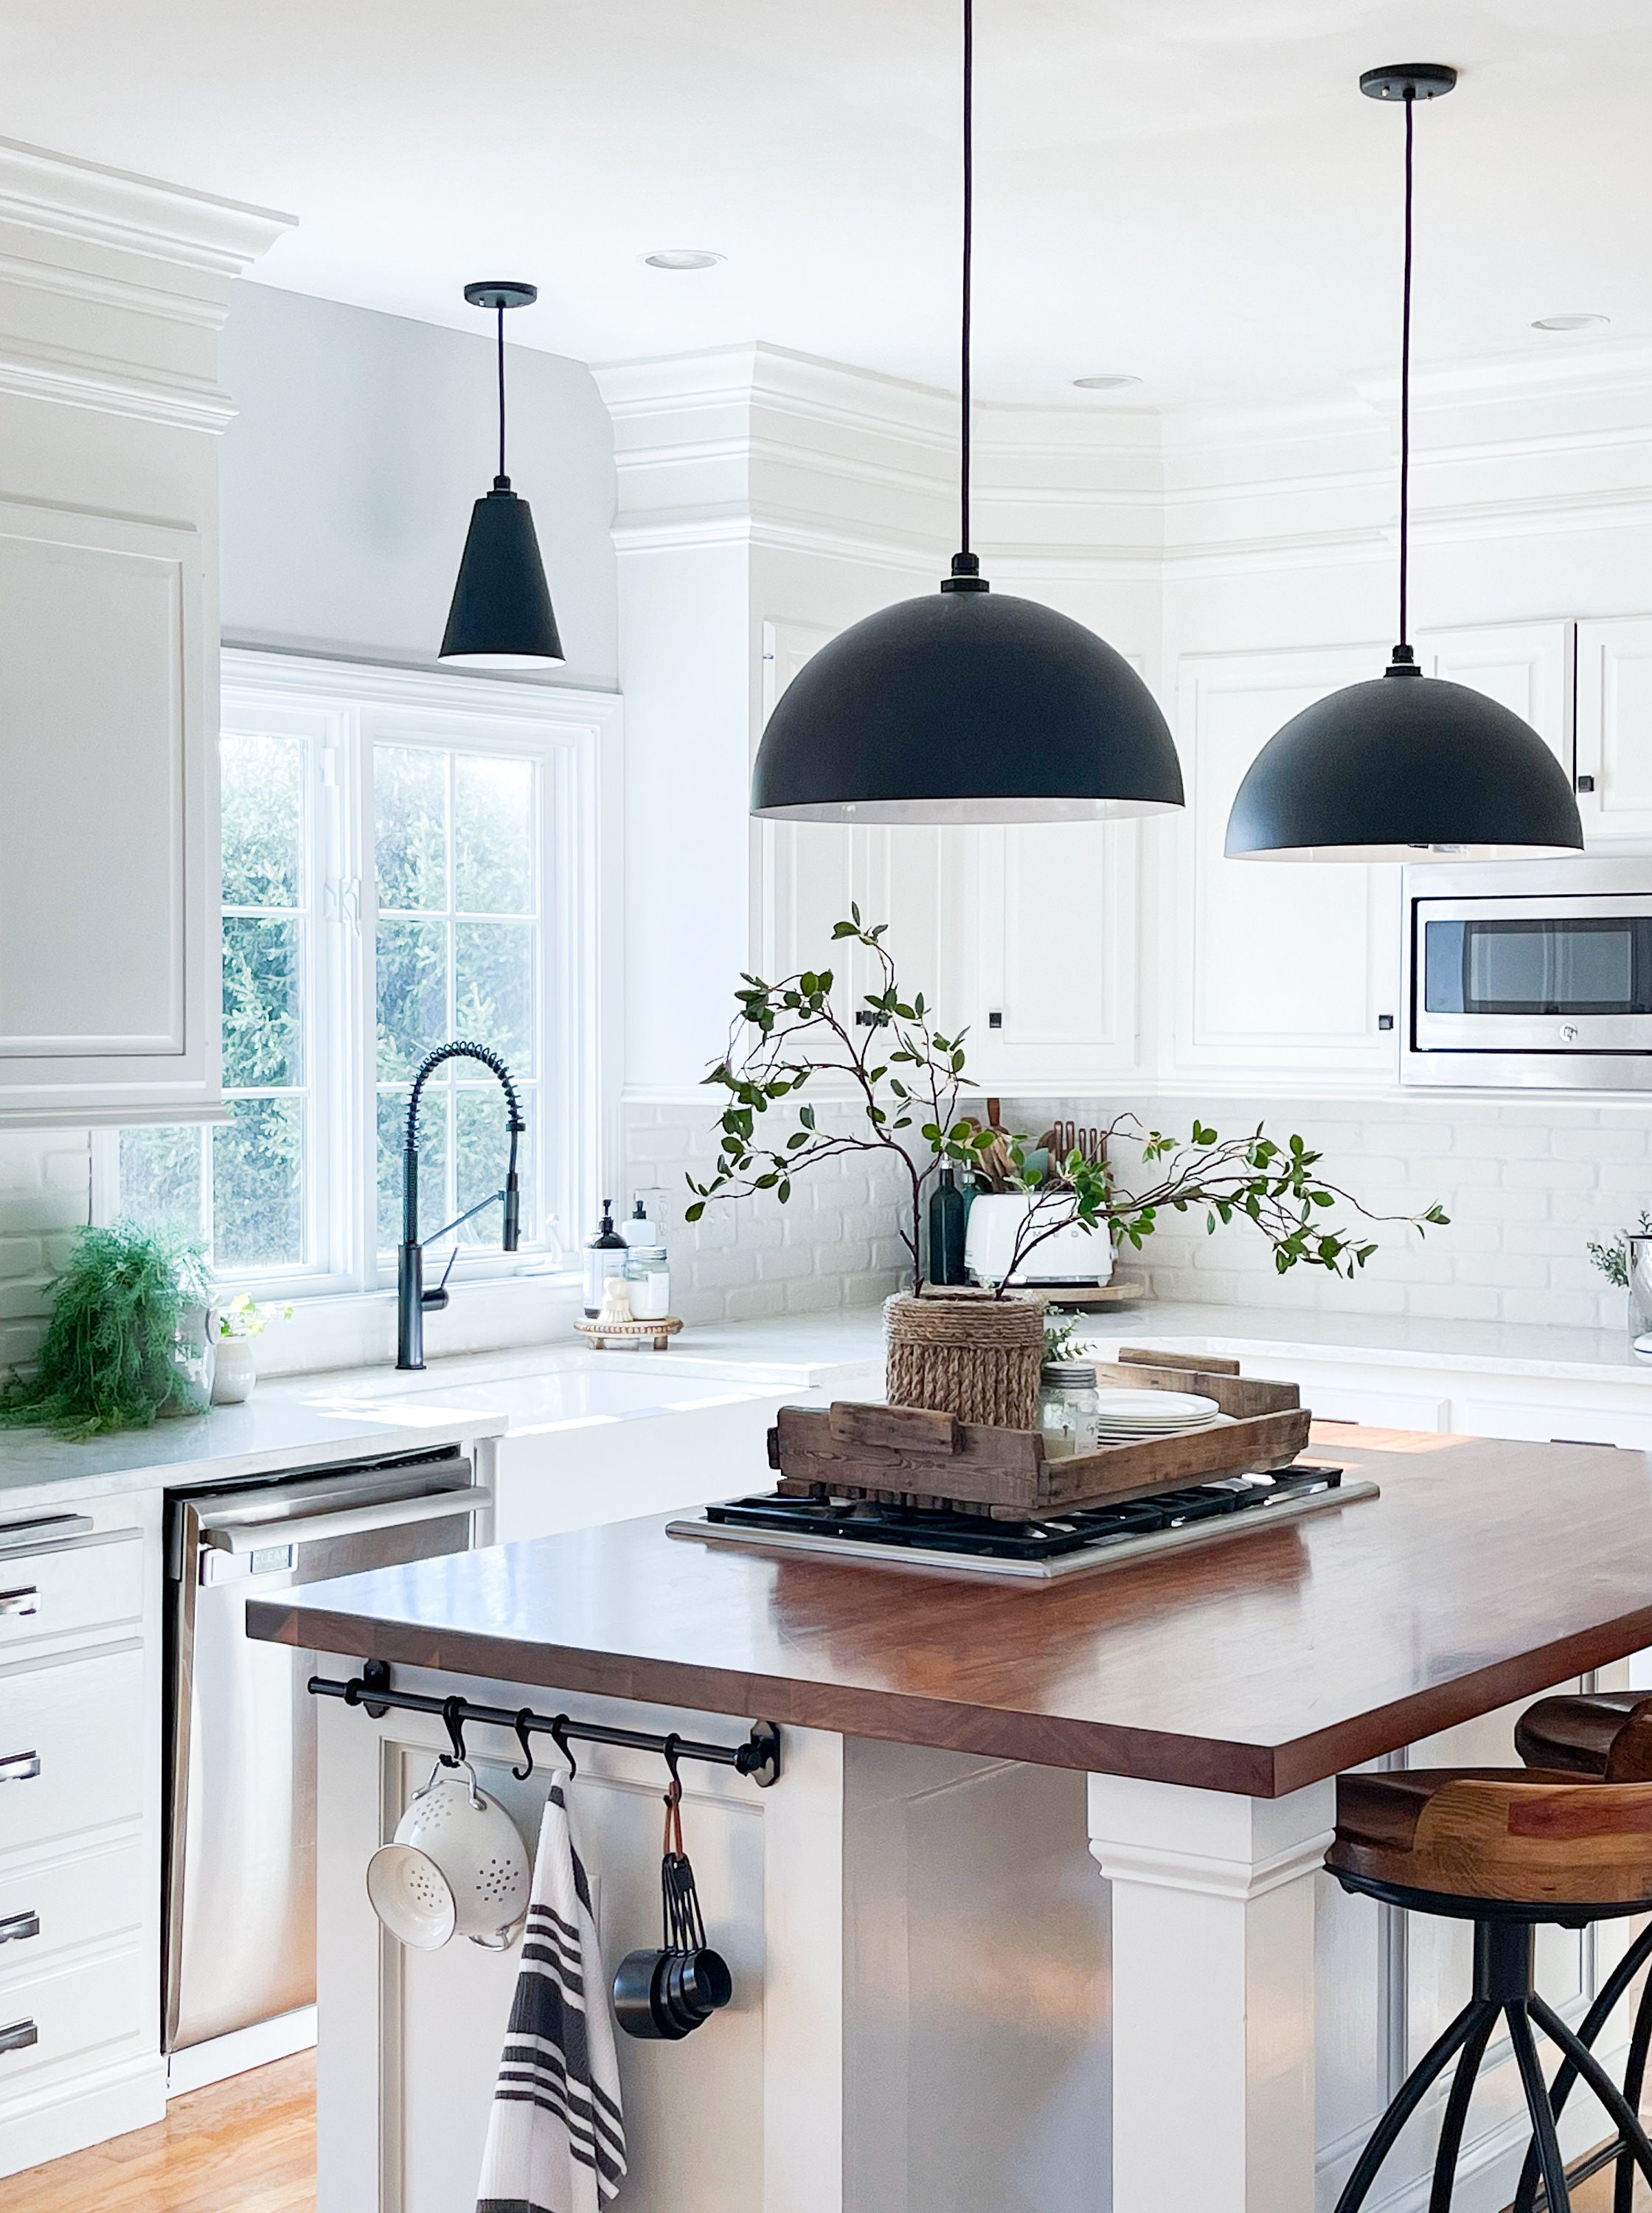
<point x="911" y="1456"/>
<point x="600" y="1334"/>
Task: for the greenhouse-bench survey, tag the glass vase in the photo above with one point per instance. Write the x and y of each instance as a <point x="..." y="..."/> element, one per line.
<point x="1637" y="1253"/>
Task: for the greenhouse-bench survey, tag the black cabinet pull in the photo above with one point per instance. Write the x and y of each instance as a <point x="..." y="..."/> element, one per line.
<point x="13" y="1927"/>
<point x="18" y="2035"/>
<point x="20" y="1767"/>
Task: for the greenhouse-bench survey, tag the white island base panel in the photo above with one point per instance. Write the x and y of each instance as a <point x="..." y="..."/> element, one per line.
<point x="961" y="1985"/>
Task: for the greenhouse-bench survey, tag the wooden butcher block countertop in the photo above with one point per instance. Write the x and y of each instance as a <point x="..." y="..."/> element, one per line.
<point x="1486" y="1571"/>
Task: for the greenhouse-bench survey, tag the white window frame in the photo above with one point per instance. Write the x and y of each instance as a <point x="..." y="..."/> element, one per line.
<point x="344" y="709"/>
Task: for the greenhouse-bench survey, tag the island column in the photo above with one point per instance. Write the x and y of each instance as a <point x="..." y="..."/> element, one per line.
<point x="1213" y="1995"/>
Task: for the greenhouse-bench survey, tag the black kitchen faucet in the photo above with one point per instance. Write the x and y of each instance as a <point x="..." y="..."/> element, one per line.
<point x="411" y="1297"/>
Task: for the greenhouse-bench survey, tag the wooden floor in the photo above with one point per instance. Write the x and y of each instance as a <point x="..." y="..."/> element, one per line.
<point x="243" y="2146"/>
<point x="248" y="2146"/>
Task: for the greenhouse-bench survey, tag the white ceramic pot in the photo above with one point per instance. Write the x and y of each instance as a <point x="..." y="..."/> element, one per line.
<point x="1073" y="1255"/>
<point x="234" y="1371"/>
<point x="457" y="1867"/>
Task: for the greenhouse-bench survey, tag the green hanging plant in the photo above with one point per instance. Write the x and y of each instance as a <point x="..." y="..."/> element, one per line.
<point x="106" y="1360"/>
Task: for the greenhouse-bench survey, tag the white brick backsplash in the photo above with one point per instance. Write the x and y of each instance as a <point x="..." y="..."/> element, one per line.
<point x="46" y="1183"/>
<point x="1526" y="1182"/>
<point x="832" y="1245"/>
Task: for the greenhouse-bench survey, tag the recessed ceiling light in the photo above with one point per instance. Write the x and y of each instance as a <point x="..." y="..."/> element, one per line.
<point x="1104" y="383"/>
<point x="683" y="257"/>
<point x="1569" y="322"/>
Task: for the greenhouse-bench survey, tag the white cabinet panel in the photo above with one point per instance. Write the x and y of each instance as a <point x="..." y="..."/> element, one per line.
<point x="1042" y="934"/>
<point x="106" y="783"/>
<point x="1574" y="1424"/>
<point x="1283" y="966"/>
<point x="1525" y="666"/>
<point x="1614" y="726"/>
<point x="73" y="1746"/>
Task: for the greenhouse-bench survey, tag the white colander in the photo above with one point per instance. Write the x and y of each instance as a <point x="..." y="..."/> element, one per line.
<point x="457" y="1867"/>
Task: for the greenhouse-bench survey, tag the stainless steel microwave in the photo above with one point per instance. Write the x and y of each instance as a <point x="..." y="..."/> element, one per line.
<point x="1530" y="975"/>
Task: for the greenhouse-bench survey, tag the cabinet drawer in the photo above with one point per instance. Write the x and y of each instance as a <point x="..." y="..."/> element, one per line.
<point x="84" y="2017"/>
<point x="96" y="1582"/>
<point x="74" y="1741"/>
<point x="51" y="1906"/>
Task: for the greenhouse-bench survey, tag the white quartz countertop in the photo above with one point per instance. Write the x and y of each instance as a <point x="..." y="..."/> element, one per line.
<point x="1485" y="1347"/>
<point x="369" y="1412"/>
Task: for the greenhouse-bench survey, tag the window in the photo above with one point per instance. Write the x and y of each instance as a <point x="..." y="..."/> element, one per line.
<point x="406" y="859"/>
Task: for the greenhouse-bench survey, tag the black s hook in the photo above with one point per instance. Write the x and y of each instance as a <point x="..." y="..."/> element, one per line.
<point x="559" y="1737"/>
<point x="522" y="1720"/>
<point x="452" y="1714"/>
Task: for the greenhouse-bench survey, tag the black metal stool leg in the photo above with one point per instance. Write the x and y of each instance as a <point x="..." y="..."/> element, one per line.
<point x="1550" y="2166"/>
<point x="1607" y="2001"/>
<point x="1622" y="2191"/>
<point x="1619" y="2109"/>
<point x="1407" y="2099"/>
<point x="1456" y="2113"/>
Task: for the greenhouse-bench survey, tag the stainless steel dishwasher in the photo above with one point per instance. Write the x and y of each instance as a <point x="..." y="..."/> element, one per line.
<point x="240" y="1768"/>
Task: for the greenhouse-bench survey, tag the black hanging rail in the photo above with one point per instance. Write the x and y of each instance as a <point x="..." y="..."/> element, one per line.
<point x="758" y="1757"/>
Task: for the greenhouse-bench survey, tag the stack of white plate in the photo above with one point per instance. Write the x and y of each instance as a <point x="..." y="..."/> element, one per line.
<point x="1126" y="1417"/>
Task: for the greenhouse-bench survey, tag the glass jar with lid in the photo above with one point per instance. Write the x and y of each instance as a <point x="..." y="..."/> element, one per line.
<point x="1069" y="1411"/>
<point x="648" y="1279"/>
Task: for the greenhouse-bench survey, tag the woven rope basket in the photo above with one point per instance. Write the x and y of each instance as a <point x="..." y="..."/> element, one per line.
<point x="966" y="1353"/>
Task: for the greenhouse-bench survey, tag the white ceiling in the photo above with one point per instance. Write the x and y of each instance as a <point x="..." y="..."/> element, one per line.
<point x="1189" y="190"/>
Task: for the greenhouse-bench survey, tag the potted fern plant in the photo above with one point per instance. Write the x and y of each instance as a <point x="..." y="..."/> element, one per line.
<point x="976" y="1353"/>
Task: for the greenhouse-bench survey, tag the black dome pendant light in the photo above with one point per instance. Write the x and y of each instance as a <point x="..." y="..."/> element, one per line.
<point x="1406" y="767"/>
<point x="969" y="706"/>
<point x="501" y="614"/>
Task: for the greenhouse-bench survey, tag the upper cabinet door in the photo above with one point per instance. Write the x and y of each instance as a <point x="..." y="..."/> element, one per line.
<point x="1040" y="943"/>
<point x="107" y="795"/>
<point x="1283" y="966"/>
<point x="1525" y="666"/>
<point x="1614" y="727"/>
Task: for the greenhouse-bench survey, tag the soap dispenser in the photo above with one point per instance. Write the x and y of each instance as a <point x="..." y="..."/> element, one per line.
<point x="605" y="1256"/>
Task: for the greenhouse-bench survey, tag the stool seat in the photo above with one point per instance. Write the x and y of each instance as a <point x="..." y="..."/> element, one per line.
<point x="1604" y="1734"/>
<point x="1490" y="1837"/>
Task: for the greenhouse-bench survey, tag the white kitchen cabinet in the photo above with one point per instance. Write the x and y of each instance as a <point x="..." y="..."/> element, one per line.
<point x="1040" y="952"/>
<point x="1282" y="968"/>
<point x="109" y="415"/>
<point x="1614" y="727"/>
<point x="1525" y="666"/>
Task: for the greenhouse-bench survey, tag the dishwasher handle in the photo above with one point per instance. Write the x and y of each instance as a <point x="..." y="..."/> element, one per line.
<point x="241" y="1537"/>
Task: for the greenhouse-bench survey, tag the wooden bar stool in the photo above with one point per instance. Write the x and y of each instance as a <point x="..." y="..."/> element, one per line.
<point x="1606" y="1735"/>
<point x="1507" y="1848"/>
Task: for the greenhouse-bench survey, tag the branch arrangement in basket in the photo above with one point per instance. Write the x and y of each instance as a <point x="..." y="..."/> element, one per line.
<point x="904" y="1077"/>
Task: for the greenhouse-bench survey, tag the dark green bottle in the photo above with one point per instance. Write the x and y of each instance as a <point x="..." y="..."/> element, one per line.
<point x="947" y="1212"/>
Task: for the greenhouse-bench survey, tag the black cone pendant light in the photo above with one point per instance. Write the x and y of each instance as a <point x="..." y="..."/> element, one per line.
<point x="501" y="614"/>
<point x="1406" y="767"/>
<point x="969" y="706"/>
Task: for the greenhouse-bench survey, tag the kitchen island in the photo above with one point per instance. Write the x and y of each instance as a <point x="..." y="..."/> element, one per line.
<point x="939" y="2001"/>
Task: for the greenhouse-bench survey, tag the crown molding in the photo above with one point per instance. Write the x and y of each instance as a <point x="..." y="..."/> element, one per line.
<point x="114" y="208"/>
<point x="113" y="388"/>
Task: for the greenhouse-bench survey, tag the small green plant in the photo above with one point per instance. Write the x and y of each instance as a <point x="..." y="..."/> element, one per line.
<point x="106" y="1360"/>
<point x="1061" y="1339"/>
<point x="245" y="1317"/>
<point x="1612" y="1260"/>
<point x="904" y="1074"/>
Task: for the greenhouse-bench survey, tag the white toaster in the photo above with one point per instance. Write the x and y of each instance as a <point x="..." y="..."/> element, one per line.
<point x="1072" y="1255"/>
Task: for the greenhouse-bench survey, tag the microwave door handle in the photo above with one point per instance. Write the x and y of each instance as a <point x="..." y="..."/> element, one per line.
<point x="241" y="1536"/>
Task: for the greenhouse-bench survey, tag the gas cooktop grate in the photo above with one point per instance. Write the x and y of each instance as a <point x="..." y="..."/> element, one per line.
<point x="1085" y="1538"/>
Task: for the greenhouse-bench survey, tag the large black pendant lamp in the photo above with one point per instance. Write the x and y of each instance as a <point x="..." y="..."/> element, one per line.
<point x="501" y="614"/>
<point x="969" y="706"/>
<point x="1406" y="767"/>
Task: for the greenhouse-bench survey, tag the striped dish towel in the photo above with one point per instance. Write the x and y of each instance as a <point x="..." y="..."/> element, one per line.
<point x="556" y="2135"/>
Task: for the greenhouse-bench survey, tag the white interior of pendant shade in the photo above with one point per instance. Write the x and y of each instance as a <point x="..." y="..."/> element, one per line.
<point x="966" y="811"/>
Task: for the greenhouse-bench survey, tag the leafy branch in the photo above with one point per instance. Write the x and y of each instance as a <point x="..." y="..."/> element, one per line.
<point x="1613" y="1259"/>
<point x="904" y="1074"/>
<point x="1277" y="1187"/>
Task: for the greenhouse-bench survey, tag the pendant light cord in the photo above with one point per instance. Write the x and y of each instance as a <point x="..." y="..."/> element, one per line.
<point x="502" y="481"/>
<point x="969" y="228"/>
<point x="1406" y="386"/>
